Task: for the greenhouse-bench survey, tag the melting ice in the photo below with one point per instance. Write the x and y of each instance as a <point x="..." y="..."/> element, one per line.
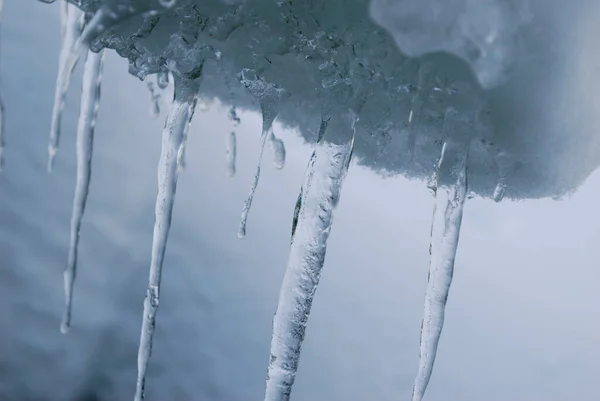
<point x="293" y="58"/>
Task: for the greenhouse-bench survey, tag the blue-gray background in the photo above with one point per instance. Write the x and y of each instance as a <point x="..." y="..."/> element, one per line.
<point x="522" y="321"/>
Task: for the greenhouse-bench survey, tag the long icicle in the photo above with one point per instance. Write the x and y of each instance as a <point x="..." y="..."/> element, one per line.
<point x="172" y="138"/>
<point x="320" y="194"/>
<point x="450" y="195"/>
<point x="72" y="24"/>
<point x="90" y="101"/>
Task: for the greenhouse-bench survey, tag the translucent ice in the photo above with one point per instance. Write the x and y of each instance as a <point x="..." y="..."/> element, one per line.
<point x="450" y="195"/>
<point x="72" y="24"/>
<point x="173" y="132"/>
<point x="90" y="100"/>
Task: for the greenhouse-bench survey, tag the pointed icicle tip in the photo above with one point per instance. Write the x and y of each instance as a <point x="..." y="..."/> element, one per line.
<point x="450" y="196"/>
<point x="270" y="97"/>
<point x="186" y="92"/>
<point x="88" y="112"/>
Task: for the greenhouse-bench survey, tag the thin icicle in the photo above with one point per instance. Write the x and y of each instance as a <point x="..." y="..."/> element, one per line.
<point x="319" y="197"/>
<point x="269" y="97"/>
<point x="172" y="138"/>
<point x="231" y="150"/>
<point x="278" y="148"/>
<point x="231" y="143"/>
<point x="72" y="25"/>
<point x="90" y="101"/>
<point x="154" y="100"/>
<point x="450" y="195"/>
<point x="106" y="17"/>
<point x="181" y="163"/>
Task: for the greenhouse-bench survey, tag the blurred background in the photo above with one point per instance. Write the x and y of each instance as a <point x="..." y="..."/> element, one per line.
<point x="521" y="324"/>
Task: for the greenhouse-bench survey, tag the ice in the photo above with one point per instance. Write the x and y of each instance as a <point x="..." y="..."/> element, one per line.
<point x="90" y="100"/>
<point x="230" y="150"/>
<point x="450" y="195"/>
<point x="72" y="25"/>
<point x="162" y="79"/>
<point x="318" y="199"/>
<point x="278" y="148"/>
<point x="269" y="97"/>
<point x="300" y="46"/>
<point x="185" y="96"/>
<point x="181" y="162"/>
<point x="154" y="100"/>
<point x="511" y="83"/>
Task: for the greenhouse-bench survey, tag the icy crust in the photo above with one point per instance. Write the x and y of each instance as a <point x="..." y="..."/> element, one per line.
<point x="523" y="132"/>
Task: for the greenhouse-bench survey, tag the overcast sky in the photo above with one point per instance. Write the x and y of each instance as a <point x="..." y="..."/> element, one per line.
<point x="521" y="323"/>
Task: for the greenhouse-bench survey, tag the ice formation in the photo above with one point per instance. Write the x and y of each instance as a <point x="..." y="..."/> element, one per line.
<point x="90" y="102"/>
<point x="488" y="88"/>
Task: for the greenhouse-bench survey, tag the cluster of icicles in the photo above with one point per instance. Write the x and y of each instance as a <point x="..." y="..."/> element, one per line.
<point x="313" y="215"/>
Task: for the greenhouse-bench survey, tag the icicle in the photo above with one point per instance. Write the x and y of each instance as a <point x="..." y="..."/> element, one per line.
<point x="155" y="100"/>
<point x="172" y="138"/>
<point x="105" y="18"/>
<point x="231" y="150"/>
<point x="278" y="148"/>
<point x="71" y="28"/>
<point x="319" y="197"/>
<point x="181" y="153"/>
<point x="269" y="97"/>
<point x="231" y="143"/>
<point x="450" y="194"/>
<point x="90" y="100"/>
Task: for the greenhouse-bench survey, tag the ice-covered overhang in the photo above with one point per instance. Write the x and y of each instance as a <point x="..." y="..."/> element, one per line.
<point x="492" y="97"/>
<point x="520" y="75"/>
